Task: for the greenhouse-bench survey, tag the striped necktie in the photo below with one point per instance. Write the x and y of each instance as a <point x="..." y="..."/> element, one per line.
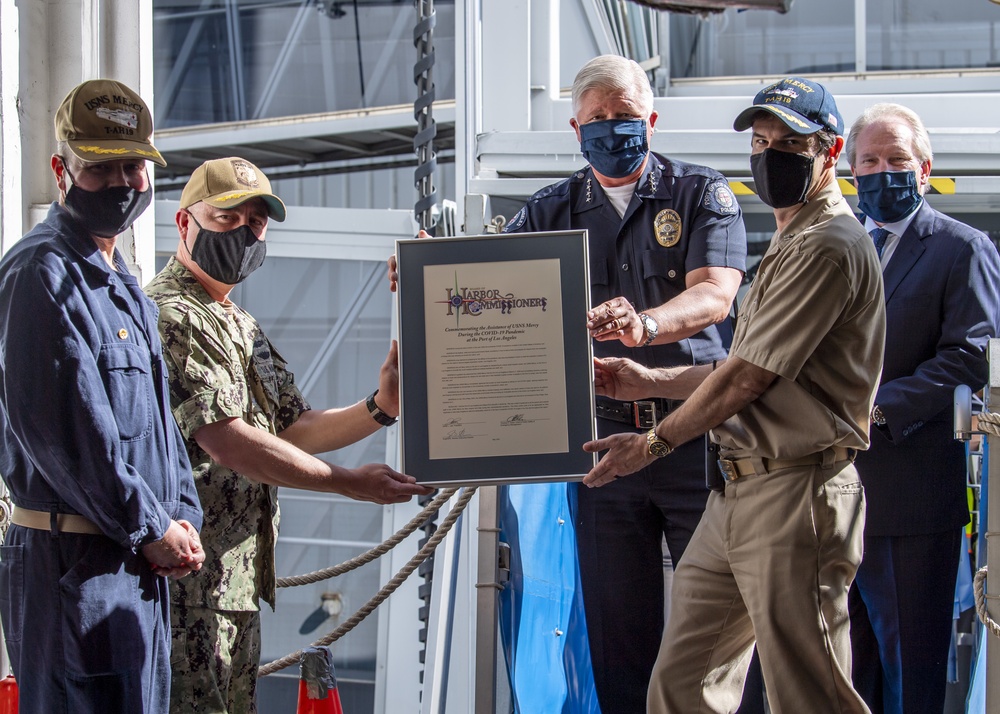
<point x="878" y="237"/>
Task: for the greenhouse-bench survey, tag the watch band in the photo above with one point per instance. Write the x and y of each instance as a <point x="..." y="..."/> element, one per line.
<point x="377" y="414"/>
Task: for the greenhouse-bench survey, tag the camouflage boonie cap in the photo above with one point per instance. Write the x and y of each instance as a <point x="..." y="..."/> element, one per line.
<point x="103" y="120"/>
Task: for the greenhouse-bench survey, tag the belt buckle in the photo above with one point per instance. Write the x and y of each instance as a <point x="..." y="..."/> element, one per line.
<point x="728" y="469"/>
<point x="644" y="413"/>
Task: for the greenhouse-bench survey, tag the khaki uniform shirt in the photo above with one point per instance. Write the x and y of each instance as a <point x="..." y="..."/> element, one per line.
<point x="815" y="316"/>
<point x="222" y="365"/>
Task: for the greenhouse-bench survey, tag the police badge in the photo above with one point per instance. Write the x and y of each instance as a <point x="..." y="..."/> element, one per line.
<point x="667" y="227"/>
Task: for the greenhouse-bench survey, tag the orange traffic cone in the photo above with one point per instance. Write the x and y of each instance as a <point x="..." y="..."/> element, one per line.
<point x="317" y="683"/>
<point x="8" y="695"/>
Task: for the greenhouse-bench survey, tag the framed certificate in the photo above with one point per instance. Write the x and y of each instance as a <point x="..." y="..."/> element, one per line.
<point x="495" y="360"/>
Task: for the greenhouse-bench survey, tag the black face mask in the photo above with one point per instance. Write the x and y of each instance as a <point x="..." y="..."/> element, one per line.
<point x="781" y="178"/>
<point x="228" y="257"/>
<point x="108" y="212"/>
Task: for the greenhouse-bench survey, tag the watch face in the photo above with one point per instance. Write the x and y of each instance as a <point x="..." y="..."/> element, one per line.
<point x="657" y="446"/>
<point x="659" y="449"/>
<point x="650" y="324"/>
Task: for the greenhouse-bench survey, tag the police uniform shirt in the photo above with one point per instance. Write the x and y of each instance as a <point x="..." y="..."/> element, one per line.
<point x="815" y="316"/>
<point x="681" y="217"/>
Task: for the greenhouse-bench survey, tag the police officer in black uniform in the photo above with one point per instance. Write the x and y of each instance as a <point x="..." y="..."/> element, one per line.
<point x="667" y="254"/>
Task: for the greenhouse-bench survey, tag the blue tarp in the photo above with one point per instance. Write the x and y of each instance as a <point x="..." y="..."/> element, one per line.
<point x="543" y="632"/>
<point x="975" y="701"/>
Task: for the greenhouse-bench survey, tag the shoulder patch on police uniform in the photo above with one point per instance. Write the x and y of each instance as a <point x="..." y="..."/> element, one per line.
<point x="719" y="198"/>
<point x="517" y="221"/>
<point x="667" y="227"/>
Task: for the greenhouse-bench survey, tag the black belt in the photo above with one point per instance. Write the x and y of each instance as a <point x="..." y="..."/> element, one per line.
<point x="642" y="414"/>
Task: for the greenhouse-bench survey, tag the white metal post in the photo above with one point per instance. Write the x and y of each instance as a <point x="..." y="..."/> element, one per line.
<point x="992" y="534"/>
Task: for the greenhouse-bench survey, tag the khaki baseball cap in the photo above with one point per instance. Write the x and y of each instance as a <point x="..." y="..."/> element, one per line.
<point x="103" y="120"/>
<point x="226" y="183"/>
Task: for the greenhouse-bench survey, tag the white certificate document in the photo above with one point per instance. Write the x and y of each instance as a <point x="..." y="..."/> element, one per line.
<point x="496" y="370"/>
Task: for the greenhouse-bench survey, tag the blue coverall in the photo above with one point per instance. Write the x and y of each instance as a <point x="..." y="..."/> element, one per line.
<point x="85" y="428"/>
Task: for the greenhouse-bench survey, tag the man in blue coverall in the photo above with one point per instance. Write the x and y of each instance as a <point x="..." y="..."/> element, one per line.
<point x="105" y="507"/>
<point x="667" y="254"/>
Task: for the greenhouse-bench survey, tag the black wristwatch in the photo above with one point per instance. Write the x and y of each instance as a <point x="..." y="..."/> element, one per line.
<point x="377" y="414"/>
<point x="878" y="418"/>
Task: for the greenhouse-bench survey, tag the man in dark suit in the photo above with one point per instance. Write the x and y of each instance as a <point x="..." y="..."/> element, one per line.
<point x="942" y="305"/>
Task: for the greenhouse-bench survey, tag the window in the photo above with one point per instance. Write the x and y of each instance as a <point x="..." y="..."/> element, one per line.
<point x="818" y="37"/>
<point x="221" y="62"/>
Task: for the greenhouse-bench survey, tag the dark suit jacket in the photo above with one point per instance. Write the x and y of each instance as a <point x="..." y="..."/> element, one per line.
<point x="942" y="305"/>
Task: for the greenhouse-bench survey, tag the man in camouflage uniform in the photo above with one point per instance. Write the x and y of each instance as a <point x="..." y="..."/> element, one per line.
<point x="248" y="430"/>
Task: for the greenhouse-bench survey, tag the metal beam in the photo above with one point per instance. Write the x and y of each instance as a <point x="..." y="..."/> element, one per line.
<point x="388" y="57"/>
<point x="182" y="63"/>
<point x="235" y="44"/>
<point x="339" y="331"/>
<point x="284" y="55"/>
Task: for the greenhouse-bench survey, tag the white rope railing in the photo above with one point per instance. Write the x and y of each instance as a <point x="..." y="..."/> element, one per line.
<point x="979" y="590"/>
<point x="389" y="587"/>
<point x="376" y="552"/>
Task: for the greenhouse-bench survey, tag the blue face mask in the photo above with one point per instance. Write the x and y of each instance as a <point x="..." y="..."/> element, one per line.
<point x="888" y="196"/>
<point x="615" y="148"/>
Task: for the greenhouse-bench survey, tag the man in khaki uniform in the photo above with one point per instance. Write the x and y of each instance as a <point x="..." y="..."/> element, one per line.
<point x="781" y="538"/>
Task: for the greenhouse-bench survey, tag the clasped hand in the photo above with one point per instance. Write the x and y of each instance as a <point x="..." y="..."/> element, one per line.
<point x="177" y="553"/>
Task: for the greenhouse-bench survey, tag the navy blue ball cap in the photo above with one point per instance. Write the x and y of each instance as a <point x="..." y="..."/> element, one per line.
<point x="805" y="106"/>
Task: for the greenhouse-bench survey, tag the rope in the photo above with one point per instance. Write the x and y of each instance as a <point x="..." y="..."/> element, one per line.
<point x="376" y="552"/>
<point x="989" y="422"/>
<point x="979" y="588"/>
<point x="382" y="594"/>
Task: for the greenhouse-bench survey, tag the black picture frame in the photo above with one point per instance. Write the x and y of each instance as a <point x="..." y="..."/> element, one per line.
<point x="569" y="248"/>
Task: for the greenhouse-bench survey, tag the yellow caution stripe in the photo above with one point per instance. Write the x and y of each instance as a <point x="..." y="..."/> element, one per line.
<point x="937" y="185"/>
<point x="847" y="187"/>
<point x="942" y="185"/>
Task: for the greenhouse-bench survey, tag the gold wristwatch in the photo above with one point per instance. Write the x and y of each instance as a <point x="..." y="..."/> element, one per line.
<point x="657" y="446"/>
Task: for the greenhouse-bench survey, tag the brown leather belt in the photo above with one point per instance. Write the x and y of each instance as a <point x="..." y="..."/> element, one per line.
<point x="64" y="522"/>
<point x="733" y="469"/>
<point x="642" y="414"/>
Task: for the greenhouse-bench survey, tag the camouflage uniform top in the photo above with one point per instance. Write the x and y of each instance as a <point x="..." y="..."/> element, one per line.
<point x="222" y="365"/>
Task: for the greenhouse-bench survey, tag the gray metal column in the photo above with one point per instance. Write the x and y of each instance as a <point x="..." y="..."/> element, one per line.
<point x="487" y="589"/>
